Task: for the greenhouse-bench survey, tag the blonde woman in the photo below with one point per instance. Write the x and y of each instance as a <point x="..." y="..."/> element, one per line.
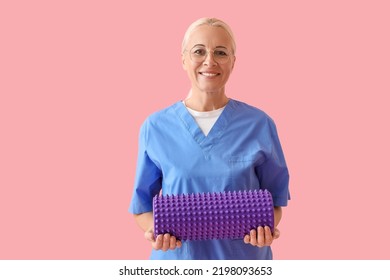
<point x="209" y="143"/>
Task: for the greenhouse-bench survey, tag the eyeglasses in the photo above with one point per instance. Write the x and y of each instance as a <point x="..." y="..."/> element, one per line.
<point x="220" y="55"/>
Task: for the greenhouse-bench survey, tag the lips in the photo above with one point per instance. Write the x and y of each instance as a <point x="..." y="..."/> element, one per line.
<point x="209" y="74"/>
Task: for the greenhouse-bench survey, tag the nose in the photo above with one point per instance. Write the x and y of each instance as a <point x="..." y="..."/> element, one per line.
<point x="209" y="59"/>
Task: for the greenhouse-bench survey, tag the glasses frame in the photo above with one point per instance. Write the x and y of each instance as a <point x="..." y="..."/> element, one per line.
<point x="190" y="52"/>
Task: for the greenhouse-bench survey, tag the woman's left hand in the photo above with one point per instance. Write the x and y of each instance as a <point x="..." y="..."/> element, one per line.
<point x="262" y="237"/>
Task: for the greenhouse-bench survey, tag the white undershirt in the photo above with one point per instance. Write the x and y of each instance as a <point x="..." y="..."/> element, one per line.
<point x="205" y="120"/>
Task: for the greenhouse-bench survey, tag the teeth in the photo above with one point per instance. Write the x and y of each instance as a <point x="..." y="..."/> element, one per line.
<point x="209" y="74"/>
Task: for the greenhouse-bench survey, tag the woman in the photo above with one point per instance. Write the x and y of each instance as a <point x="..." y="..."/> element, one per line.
<point x="209" y="143"/>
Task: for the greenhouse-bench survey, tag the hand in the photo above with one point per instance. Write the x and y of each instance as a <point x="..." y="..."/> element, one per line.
<point x="162" y="242"/>
<point x="263" y="236"/>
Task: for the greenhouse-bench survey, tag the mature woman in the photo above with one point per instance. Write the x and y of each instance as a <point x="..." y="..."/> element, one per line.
<point x="209" y="143"/>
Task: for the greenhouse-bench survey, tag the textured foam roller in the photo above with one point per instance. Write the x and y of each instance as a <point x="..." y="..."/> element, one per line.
<point x="223" y="215"/>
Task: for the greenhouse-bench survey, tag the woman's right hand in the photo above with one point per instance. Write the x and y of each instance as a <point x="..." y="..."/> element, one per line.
<point x="163" y="242"/>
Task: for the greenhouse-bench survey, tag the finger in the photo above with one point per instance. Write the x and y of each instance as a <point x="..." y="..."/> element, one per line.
<point x="276" y="233"/>
<point x="165" y="244"/>
<point x="157" y="244"/>
<point x="149" y="236"/>
<point x="253" y="237"/>
<point x="246" y="239"/>
<point x="178" y="244"/>
<point x="260" y="236"/>
<point x="268" y="236"/>
<point x="172" y="243"/>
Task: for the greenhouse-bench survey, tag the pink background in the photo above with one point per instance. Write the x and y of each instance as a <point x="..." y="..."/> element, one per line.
<point x="79" y="77"/>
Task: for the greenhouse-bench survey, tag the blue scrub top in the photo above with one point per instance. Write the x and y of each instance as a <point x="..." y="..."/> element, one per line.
<point x="241" y="152"/>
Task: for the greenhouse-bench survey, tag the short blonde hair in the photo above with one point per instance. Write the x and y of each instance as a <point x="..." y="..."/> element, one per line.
<point x="211" y="22"/>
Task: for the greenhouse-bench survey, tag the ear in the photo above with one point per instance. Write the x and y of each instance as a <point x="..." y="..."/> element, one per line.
<point x="234" y="61"/>
<point x="183" y="61"/>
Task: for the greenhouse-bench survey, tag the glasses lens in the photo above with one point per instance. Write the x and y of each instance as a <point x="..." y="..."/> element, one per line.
<point x="221" y="55"/>
<point x="199" y="54"/>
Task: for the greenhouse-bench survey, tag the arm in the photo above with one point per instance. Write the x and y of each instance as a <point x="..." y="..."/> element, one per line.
<point x="144" y="220"/>
<point x="162" y="242"/>
<point x="147" y="184"/>
<point x="274" y="174"/>
<point x="277" y="215"/>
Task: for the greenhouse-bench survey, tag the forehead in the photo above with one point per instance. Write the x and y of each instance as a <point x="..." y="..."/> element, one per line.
<point x="210" y="36"/>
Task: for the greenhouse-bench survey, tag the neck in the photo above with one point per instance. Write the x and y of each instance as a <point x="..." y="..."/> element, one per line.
<point x="206" y="101"/>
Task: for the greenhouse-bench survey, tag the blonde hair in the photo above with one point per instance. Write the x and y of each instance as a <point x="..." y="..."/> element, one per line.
<point x="210" y="22"/>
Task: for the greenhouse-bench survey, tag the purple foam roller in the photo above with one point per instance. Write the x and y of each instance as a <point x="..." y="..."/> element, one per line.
<point x="222" y="215"/>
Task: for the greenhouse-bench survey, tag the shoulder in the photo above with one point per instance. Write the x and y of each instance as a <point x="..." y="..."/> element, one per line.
<point x="161" y="115"/>
<point x="161" y="121"/>
<point x="244" y="110"/>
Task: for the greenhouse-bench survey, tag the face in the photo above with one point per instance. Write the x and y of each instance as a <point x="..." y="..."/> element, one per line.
<point x="211" y="44"/>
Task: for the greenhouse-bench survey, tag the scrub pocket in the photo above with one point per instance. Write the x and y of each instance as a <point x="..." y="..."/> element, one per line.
<point x="242" y="171"/>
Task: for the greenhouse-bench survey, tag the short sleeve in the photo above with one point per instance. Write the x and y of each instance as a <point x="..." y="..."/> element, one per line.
<point x="147" y="179"/>
<point x="273" y="173"/>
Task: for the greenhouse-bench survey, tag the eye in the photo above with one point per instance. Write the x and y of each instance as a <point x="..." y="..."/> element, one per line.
<point x="200" y="52"/>
<point x="220" y="53"/>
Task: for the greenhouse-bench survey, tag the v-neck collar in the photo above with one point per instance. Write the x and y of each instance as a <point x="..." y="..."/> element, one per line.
<point x="205" y="142"/>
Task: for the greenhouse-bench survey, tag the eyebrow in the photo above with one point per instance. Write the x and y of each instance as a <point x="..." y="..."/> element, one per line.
<point x="201" y="45"/>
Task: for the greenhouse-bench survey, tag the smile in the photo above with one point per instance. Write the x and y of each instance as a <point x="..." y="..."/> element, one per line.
<point x="208" y="74"/>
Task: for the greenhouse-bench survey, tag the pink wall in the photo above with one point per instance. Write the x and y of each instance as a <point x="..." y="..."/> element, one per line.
<point x="77" y="78"/>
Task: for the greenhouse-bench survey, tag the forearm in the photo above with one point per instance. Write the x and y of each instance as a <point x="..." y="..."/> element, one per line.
<point x="277" y="215"/>
<point x="144" y="220"/>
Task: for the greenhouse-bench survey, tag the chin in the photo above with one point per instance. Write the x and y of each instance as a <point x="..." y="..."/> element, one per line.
<point x="211" y="89"/>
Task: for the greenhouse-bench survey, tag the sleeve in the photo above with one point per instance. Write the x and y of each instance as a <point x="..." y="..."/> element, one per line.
<point x="273" y="173"/>
<point x="147" y="178"/>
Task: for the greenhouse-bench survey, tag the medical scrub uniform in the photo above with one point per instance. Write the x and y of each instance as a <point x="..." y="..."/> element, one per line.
<point x="241" y="152"/>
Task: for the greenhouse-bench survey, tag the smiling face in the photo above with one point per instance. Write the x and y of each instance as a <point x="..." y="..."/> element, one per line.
<point x="208" y="59"/>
